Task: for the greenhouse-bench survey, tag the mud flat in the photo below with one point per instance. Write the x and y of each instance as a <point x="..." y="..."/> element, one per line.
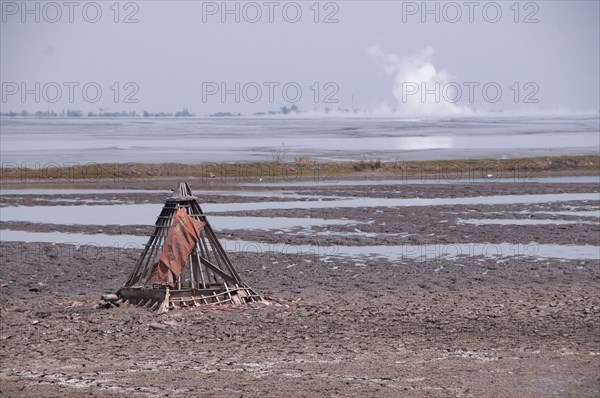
<point x="471" y="295"/>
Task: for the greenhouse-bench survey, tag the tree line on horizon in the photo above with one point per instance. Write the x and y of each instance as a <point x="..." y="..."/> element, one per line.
<point x="68" y="113"/>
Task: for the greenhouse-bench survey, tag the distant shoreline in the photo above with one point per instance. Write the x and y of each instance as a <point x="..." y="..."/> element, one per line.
<point x="303" y="168"/>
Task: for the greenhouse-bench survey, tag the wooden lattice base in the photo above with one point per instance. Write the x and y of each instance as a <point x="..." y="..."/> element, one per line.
<point x="163" y="300"/>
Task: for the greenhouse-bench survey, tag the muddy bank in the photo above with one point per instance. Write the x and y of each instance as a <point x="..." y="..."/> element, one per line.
<point x="42" y="269"/>
<point x="361" y="325"/>
<point x="475" y="343"/>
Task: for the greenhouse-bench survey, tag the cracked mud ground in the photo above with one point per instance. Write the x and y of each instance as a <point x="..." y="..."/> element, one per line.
<point x="468" y="327"/>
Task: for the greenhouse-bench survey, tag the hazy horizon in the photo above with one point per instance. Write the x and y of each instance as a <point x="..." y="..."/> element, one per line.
<point x="381" y="58"/>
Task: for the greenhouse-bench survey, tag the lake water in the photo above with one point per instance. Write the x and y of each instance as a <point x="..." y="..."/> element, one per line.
<point x="196" y="140"/>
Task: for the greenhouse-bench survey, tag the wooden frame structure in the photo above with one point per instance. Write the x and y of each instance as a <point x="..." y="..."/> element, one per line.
<point x="208" y="276"/>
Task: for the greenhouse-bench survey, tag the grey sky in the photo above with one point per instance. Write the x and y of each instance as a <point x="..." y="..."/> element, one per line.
<point x="170" y="52"/>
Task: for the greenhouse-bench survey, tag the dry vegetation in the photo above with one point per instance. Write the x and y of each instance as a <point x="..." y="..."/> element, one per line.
<point x="307" y="167"/>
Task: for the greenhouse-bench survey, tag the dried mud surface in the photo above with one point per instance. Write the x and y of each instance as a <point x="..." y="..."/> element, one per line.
<point x="470" y="327"/>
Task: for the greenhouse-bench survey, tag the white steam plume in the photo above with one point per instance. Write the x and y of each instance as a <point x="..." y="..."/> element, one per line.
<point x="417" y="73"/>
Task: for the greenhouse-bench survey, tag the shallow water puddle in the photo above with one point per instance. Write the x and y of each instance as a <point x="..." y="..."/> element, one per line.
<point x="102" y="240"/>
<point x="590" y="213"/>
<point x="444" y="176"/>
<point x="145" y="214"/>
<point x="200" y="193"/>
<point x="82" y="201"/>
<point x="502" y="221"/>
<point x="132" y="214"/>
<point x="57" y="191"/>
<point x="346" y="234"/>
<point x="431" y="252"/>
<point x="465" y="250"/>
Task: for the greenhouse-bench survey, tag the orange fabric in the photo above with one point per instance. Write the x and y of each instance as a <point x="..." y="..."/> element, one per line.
<point x="180" y="242"/>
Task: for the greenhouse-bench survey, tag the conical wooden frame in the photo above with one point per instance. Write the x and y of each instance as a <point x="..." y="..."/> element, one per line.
<point x="208" y="276"/>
